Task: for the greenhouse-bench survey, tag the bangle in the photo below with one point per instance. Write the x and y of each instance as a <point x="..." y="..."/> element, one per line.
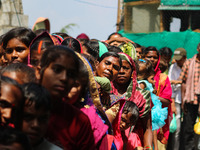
<point x="148" y="148"/>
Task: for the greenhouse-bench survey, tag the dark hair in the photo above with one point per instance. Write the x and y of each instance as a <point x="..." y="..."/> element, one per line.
<point x="145" y="72"/>
<point x="21" y="68"/>
<point x="63" y="35"/>
<point x="131" y="107"/>
<point x="136" y="45"/>
<point x="8" y="80"/>
<point x="198" y="46"/>
<point x="114" y="33"/>
<point x="46" y="42"/>
<point x="54" y="52"/>
<point x="91" y="60"/>
<point x="72" y="43"/>
<point x="163" y="65"/>
<point x="165" y="51"/>
<point x="24" y="35"/>
<point x="114" y="49"/>
<point x="113" y="54"/>
<point x="92" y="48"/>
<point x="9" y="136"/>
<point x="83" y="77"/>
<point x="35" y="93"/>
<point x="150" y="48"/>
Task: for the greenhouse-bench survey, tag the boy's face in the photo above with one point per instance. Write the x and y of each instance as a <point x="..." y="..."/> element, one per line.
<point x="10" y="100"/>
<point x="125" y="122"/>
<point x="35" y="122"/>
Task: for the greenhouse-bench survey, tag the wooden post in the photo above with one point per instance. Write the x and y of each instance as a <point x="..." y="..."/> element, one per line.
<point x="118" y="14"/>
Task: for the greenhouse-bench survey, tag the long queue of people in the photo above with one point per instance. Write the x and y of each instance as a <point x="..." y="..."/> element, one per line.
<point x="60" y="92"/>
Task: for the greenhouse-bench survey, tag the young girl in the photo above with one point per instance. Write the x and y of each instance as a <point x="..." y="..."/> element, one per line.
<point x="68" y="126"/>
<point x="39" y="45"/>
<point x="16" y="44"/>
<point x="145" y="77"/>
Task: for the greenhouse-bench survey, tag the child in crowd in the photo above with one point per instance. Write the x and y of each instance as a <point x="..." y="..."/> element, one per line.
<point x="146" y="80"/>
<point x="11" y="103"/>
<point x="36" y="116"/>
<point x="16" y="44"/>
<point x="68" y="126"/>
<point x="38" y="46"/>
<point x="129" y="117"/>
<point x="19" y="72"/>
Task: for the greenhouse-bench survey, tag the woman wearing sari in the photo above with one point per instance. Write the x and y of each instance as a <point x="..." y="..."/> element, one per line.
<point x="125" y="86"/>
<point x="164" y="92"/>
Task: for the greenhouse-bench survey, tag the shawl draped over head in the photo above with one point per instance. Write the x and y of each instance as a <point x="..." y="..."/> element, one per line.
<point x="128" y="48"/>
<point x="164" y="90"/>
<point x="43" y="34"/>
<point x="98" y="119"/>
<point x="139" y="96"/>
<point x="102" y="49"/>
<point x="41" y="23"/>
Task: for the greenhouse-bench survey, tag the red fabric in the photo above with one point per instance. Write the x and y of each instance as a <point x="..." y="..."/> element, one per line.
<point x="82" y="36"/>
<point x="98" y="127"/>
<point x="116" y="128"/>
<point x="131" y="140"/>
<point x="136" y="96"/>
<point x="164" y="90"/>
<point x="70" y="128"/>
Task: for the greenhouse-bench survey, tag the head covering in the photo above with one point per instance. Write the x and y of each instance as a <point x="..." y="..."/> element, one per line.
<point x="41" y="23"/>
<point x="82" y="36"/>
<point x="140" y="97"/>
<point x="179" y="53"/>
<point x="128" y="48"/>
<point x="104" y="83"/>
<point x="164" y="90"/>
<point x="43" y="34"/>
<point x="94" y="94"/>
<point x="102" y="49"/>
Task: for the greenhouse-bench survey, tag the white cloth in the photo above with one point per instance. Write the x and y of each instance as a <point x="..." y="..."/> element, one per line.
<point x="46" y="145"/>
<point x="174" y="73"/>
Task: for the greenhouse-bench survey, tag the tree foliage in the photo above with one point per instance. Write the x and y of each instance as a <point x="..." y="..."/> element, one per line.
<point x="68" y="27"/>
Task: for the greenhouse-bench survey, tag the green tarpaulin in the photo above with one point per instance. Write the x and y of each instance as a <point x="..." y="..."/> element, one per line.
<point x="187" y="39"/>
<point x="173" y="2"/>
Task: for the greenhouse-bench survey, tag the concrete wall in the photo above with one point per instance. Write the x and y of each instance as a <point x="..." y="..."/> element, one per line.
<point x="9" y="15"/>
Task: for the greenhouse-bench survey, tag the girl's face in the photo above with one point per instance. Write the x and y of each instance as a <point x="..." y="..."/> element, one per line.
<point x="59" y="77"/>
<point x="139" y="52"/>
<point x="153" y="57"/>
<point x="125" y="73"/>
<point x="35" y="57"/>
<point x="108" y="67"/>
<point x="16" y="51"/>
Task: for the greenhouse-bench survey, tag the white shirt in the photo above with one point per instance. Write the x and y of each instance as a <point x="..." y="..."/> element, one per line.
<point x="174" y="73"/>
<point x="46" y="145"/>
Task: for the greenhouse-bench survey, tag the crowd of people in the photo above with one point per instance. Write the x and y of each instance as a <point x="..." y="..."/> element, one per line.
<point x="60" y="92"/>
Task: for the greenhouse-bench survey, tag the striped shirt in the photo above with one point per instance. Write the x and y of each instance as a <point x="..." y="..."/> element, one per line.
<point x="184" y="75"/>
